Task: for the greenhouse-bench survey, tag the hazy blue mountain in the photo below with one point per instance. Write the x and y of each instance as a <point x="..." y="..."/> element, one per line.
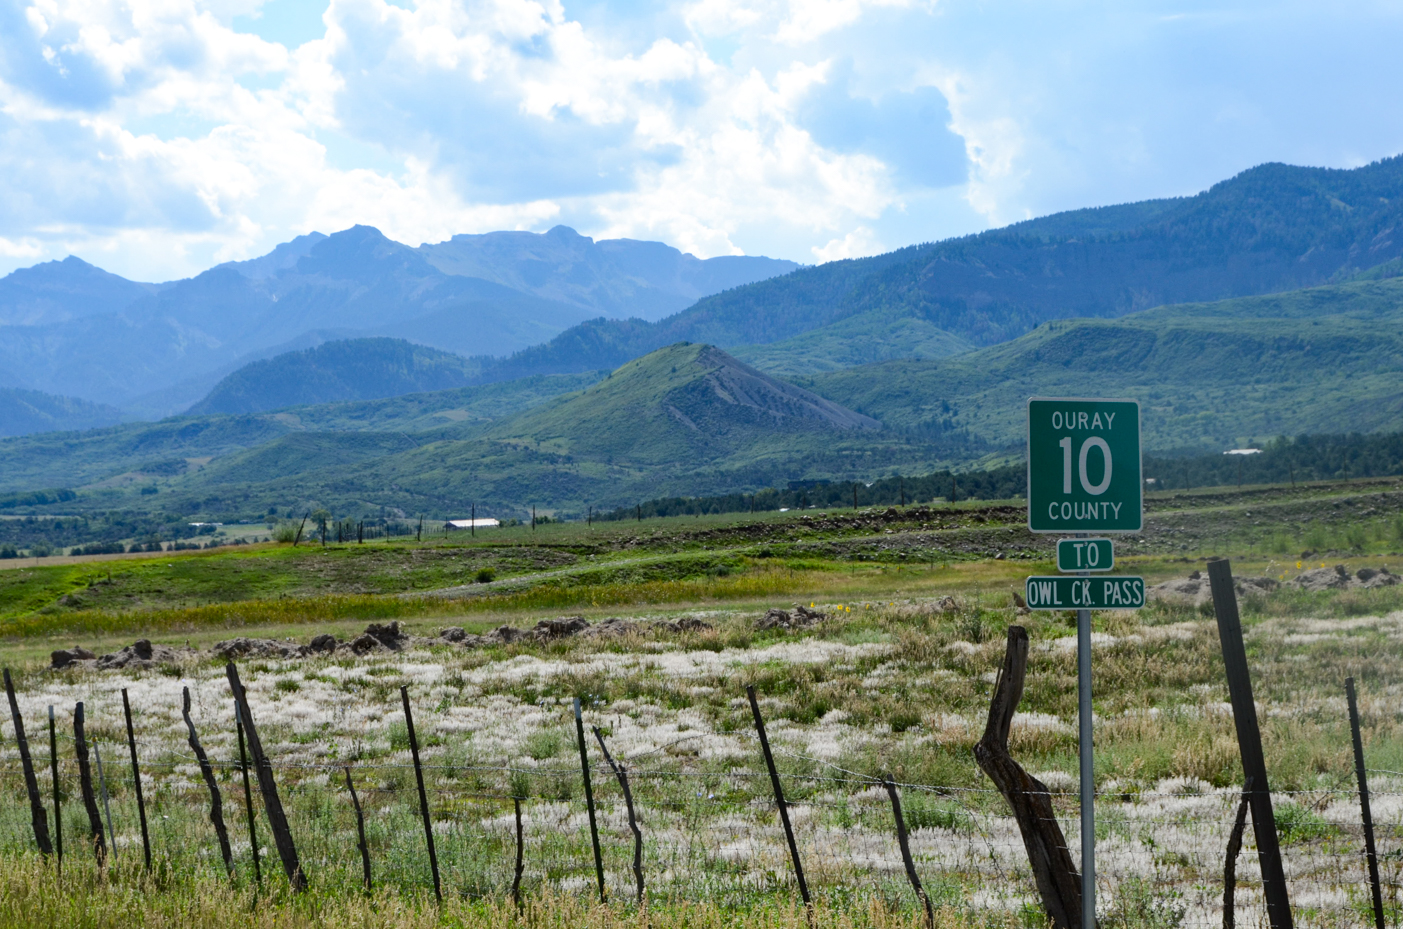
<point x="69" y="328"/>
<point x="617" y="278"/>
<point x="26" y="411"/>
<point x="352" y="369"/>
<point x="57" y="291"/>
<point x="1270" y="229"/>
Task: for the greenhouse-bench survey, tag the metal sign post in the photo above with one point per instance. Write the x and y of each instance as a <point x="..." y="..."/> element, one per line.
<point x="1083" y="477"/>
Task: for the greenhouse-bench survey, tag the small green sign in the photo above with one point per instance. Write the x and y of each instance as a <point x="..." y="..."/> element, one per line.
<point x="1085" y="555"/>
<point x="1084" y="465"/>
<point x="1085" y="593"/>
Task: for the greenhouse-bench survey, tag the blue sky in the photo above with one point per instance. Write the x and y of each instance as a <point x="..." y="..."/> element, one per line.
<point x="157" y="137"/>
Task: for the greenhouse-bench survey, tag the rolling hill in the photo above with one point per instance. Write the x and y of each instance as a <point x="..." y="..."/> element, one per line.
<point x="26" y="411"/>
<point x="350" y="369"/>
<point x="1209" y="375"/>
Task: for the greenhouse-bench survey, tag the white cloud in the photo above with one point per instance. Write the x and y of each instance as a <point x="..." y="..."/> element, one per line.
<point x="153" y="135"/>
<point x="859" y="243"/>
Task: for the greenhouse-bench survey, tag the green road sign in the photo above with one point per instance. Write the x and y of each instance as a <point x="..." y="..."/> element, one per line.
<point x="1085" y="593"/>
<point x="1083" y="465"/>
<point x="1085" y="555"/>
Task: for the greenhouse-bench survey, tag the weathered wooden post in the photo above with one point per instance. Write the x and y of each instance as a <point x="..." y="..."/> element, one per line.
<point x="1059" y="885"/>
<point x="1230" y="858"/>
<point x="1249" y="741"/>
<point x="102" y="791"/>
<point x="905" y="846"/>
<point x="85" y="785"/>
<point x="216" y="802"/>
<point x="248" y="795"/>
<point x="589" y="798"/>
<point x="622" y="775"/>
<point x="136" y="779"/>
<point x="779" y="800"/>
<point x="38" y="816"/>
<point x="53" y="768"/>
<point x="1366" y="815"/>
<point x="520" y="856"/>
<point x="360" y="832"/>
<point x="423" y="795"/>
<point x="272" y="803"/>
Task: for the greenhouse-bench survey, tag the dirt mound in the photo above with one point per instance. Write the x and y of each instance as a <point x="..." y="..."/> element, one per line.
<point x="142" y="654"/>
<point x="1195" y="589"/>
<point x="1339" y="578"/>
<point x="801" y="618"/>
<point x="63" y="657"/>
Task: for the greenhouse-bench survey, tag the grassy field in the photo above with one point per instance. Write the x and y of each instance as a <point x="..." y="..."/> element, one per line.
<point x="895" y="681"/>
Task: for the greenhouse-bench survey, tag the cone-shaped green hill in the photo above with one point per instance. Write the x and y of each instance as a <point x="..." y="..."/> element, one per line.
<point x="680" y="403"/>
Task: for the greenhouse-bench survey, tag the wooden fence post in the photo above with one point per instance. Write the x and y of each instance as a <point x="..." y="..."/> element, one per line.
<point x="622" y="775"/>
<point x="102" y="791"/>
<point x="136" y="779"/>
<point x="1366" y="815"/>
<point x="360" y="831"/>
<point x="1249" y="741"/>
<point x="589" y="798"/>
<point x="85" y="784"/>
<point x="1058" y="882"/>
<point x="423" y="795"/>
<point x="216" y="802"/>
<point x="779" y="801"/>
<point x="1230" y="858"/>
<point x="520" y="857"/>
<point x="53" y="769"/>
<point x="905" y="845"/>
<point x="268" y="785"/>
<point x="38" y="816"/>
<point x="248" y="795"/>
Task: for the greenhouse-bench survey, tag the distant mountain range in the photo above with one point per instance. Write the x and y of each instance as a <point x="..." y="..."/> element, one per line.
<point x="1270" y="229"/>
<point x="919" y="359"/>
<point x="68" y="328"/>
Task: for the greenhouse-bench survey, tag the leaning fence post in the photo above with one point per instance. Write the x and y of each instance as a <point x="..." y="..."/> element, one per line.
<point x="102" y="788"/>
<point x="520" y="859"/>
<point x="216" y="802"/>
<point x="905" y="845"/>
<point x="85" y="783"/>
<point x="38" y="815"/>
<point x="622" y="775"/>
<point x="248" y="795"/>
<point x="360" y="831"/>
<point x="1056" y="876"/>
<point x="272" y="803"/>
<point x="589" y="798"/>
<point x="53" y="768"/>
<point x="1366" y="816"/>
<point x="1249" y="741"/>
<point x="136" y="778"/>
<point x="1230" y="859"/>
<point x="423" y="795"/>
<point x="779" y="800"/>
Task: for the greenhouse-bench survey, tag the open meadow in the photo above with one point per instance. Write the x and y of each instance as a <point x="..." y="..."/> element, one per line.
<point x="886" y="671"/>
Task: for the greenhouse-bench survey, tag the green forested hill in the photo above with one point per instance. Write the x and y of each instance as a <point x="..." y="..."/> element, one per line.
<point x="347" y="369"/>
<point x="1323" y="360"/>
<point x="1273" y="228"/>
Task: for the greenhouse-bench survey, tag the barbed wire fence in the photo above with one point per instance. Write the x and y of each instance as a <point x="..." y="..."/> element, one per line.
<point x="712" y="829"/>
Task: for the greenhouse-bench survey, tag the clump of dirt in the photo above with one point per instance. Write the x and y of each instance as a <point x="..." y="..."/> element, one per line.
<point x="801" y="618"/>
<point x="1195" y="589"/>
<point x="1339" y="578"/>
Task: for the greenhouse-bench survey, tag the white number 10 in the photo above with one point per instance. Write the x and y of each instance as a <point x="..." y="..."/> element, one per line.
<point x="1094" y="442"/>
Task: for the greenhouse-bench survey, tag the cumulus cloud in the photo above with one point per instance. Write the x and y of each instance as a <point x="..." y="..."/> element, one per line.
<point x="158" y="136"/>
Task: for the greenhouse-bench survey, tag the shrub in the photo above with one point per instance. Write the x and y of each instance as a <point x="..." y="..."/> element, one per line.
<point x="485" y="575"/>
<point x="285" y="531"/>
<point x="8" y="551"/>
